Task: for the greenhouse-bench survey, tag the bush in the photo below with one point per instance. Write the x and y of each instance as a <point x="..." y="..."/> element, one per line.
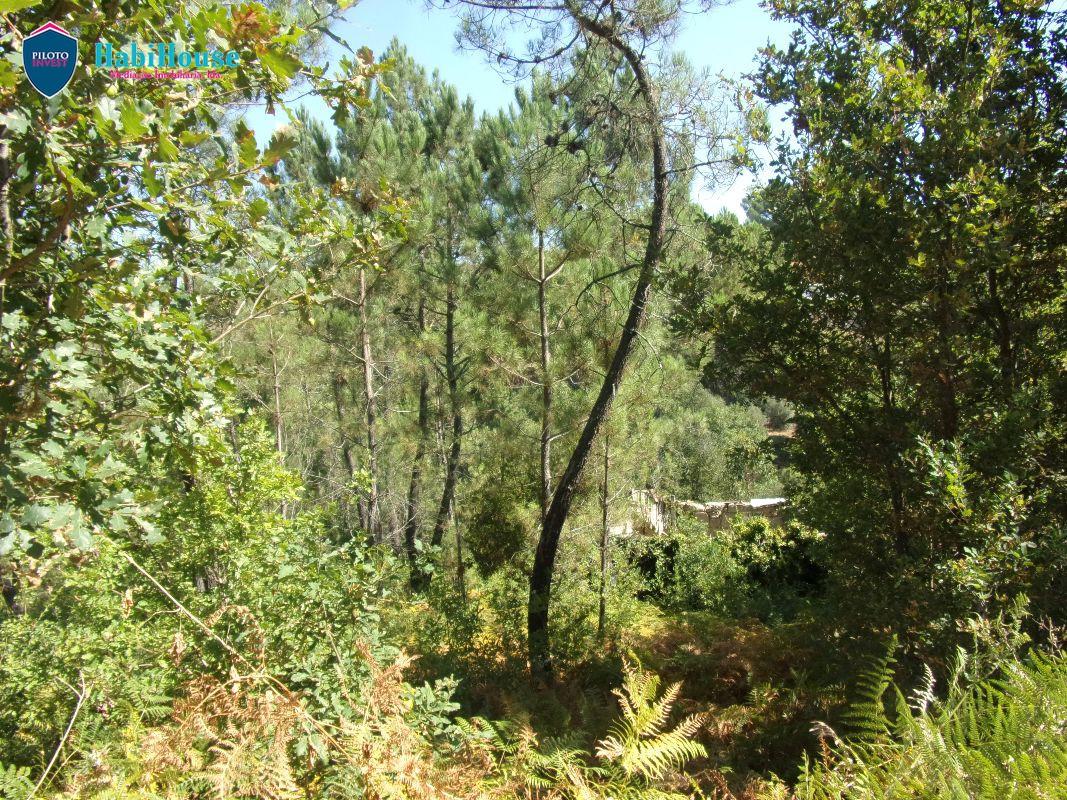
<point x="279" y="594"/>
<point x="498" y="532"/>
<point x="779" y="413"/>
<point x="780" y="566"/>
<point x="751" y="568"/>
<point x="686" y="569"/>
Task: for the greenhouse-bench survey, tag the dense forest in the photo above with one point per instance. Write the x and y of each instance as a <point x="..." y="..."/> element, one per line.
<point x="412" y="453"/>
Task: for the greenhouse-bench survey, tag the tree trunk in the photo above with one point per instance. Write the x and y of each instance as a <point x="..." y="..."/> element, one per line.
<point x="461" y="581"/>
<point x="373" y="515"/>
<point x="346" y="454"/>
<point x="279" y="444"/>
<point x="546" y="380"/>
<point x="604" y="494"/>
<point x="411" y="527"/>
<point x="545" y="556"/>
<point x="444" y="510"/>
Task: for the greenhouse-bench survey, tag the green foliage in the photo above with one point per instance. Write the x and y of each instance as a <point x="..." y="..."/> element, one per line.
<point x="711" y="449"/>
<point x="108" y="204"/>
<point x="688" y="569"/>
<point x="706" y="575"/>
<point x="15" y="782"/>
<point x="498" y="532"/>
<point x="638" y="743"/>
<point x="271" y="587"/>
<point x="1001" y="738"/>
<point x="777" y="555"/>
<point x="750" y="567"/>
<point x="641" y="758"/>
<point x="779" y="413"/>
<point x="902" y="289"/>
<point x="226" y="366"/>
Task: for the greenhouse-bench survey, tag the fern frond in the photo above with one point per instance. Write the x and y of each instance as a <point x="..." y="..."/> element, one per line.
<point x="15" y="783"/>
<point x="865" y="719"/>
<point x="1004" y="738"/>
<point x="637" y="742"/>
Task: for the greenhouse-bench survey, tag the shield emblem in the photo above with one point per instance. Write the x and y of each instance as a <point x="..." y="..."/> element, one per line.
<point x="49" y="56"/>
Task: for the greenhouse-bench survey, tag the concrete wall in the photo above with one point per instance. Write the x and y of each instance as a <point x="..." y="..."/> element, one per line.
<point x="651" y="514"/>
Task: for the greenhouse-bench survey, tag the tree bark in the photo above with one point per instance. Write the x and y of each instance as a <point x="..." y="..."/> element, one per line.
<point x="461" y="572"/>
<point x="346" y="455"/>
<point x="411" y="527"/>
<point x="279" y="443"/>
<point x="602" y="612"/>
<point x="373" y="514"/>
<point x="546" y="379"/>
<point x="448" y="493"/>
<point x="541" y="667"/>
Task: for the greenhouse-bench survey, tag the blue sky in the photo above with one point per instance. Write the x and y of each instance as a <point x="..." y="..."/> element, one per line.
<point x="724" y="40"/>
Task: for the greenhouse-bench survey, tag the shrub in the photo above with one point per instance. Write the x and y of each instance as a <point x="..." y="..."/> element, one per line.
<point x="498" y="532"/>
<point x="779" y="565"/>
<point x="751" y="567"/>
<point x="686" y="569"/>
<point x="279" y="594"/>
<point x="779" y="413"/>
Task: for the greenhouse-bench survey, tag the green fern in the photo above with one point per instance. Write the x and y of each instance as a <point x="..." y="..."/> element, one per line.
<point x="641" y="758"/>
<point x="15" y="783"/>
<point x="865" y="719"/>
<point x="638" y="742"/>
<point x="1003" y="739"/>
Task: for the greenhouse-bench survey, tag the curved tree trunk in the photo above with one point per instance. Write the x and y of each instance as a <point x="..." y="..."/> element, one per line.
<point x="545" y="556"/>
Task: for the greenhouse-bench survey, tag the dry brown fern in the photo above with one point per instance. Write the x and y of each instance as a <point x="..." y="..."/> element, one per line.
<point x="235" y="734"/>
<point x="392" y="759"/>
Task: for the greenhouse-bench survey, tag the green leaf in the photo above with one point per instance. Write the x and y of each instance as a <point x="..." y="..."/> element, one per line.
<point x="167" y="150"/>
<point x="281" y="143"/>
<point x="97" y="227"/>
<point x="15" y="122"/>
<point x="33" y="467"/>
<point x="132" y="119"/>
<point x="247" y="151"/>
<point x="35" y="515"/>
<point x="110" y="468"/>
<point x="257" y="209"/>
<point x="152" y="184"/>
<point x="282" y="65"/>
<point x="10" y="6"/>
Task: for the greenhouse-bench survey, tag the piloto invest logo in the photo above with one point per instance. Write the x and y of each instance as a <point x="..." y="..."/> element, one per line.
<point x="49" y="56"/>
